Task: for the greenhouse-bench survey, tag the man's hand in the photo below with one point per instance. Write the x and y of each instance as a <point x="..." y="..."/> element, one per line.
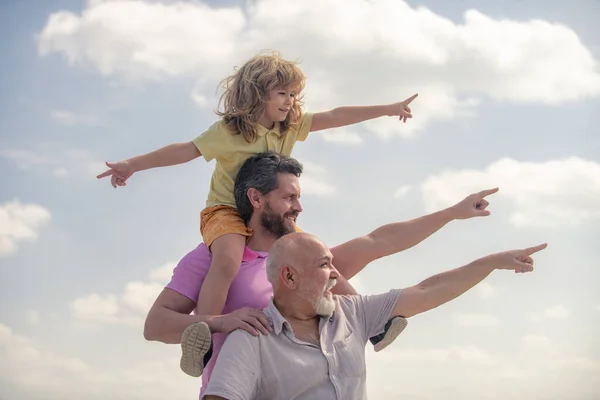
<point x="402" y="109"/>
<point x="119" y="173"/>
<point x="473" y="205"/>
<point x="251" y="320"/>
<point x="518" y="260"/>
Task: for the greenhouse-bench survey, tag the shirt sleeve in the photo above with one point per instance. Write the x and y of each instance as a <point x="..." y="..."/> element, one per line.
<point x="236" y="373"/>
<point x="375" y="311"/>
<point x="189" y="274"/>
<point x="304" y="127"/>
<point x="211" y="143"/>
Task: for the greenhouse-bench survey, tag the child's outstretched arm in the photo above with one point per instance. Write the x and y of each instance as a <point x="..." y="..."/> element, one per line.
<point x="173" y="154"/>
<point x="343" y="116"/>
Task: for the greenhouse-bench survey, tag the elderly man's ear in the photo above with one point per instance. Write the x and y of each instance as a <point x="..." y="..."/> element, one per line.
<point x="289" y="277"/>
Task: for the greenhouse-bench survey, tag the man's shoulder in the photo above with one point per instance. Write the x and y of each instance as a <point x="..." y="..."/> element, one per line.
<point x="243" y="340"/>
<point x="197" y="257"/>
<point x="351" y="301"/>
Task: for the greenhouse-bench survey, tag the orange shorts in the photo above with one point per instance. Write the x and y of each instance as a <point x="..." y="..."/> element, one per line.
<point x="220" y="220"/>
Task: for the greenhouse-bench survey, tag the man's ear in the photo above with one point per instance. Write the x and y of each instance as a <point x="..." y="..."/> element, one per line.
<point x="289" y="277"/>
<point x="255" y="197"/>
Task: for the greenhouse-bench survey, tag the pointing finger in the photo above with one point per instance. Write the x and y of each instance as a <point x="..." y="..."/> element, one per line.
<point x="410" y="99"/>
<point x="531" y="250"/>
<point x="105" y="174"/>
<point x="485" y="193"/>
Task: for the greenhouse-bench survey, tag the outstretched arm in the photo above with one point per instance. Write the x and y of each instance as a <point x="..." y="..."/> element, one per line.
<point x="343" y="116"/>
<point x="177" y="153"/>
<point x="351" y="257"/>
<point x="442" y="288"/>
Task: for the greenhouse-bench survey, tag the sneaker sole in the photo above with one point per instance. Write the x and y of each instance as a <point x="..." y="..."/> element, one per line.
<point x="195" y="342"/>
<point x="397" y="326"/>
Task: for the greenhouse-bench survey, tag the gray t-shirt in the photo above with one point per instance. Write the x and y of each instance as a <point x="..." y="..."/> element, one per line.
<point x="279" y="366"/>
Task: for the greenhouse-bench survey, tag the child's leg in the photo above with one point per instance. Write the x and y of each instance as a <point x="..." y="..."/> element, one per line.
<point x="224" y="232"/>
<point x="227" y="252"/>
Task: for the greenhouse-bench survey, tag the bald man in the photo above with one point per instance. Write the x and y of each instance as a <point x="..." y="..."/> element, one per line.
<point x="317" y="347"/>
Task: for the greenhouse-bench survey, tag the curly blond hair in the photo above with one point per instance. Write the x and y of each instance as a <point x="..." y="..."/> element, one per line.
<point x="246" y="93"/>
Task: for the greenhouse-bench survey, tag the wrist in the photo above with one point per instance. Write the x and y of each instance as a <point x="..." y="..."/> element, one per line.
<point x="486" y="263"/>
<point x="133" y="164"/>
<point x="214" y="322"/>
<point x="449" y="214"/>
<point x="388" y="110"/>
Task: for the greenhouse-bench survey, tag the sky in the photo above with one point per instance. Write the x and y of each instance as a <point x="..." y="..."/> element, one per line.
<point x="507" y="98"/>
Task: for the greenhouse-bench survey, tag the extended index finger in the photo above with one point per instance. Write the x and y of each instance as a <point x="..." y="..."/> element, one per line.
<point x="411" y="98"/>
<point x="531" y="250"/>
<point x="105" y="174"/>
<point x="485" y="193"/>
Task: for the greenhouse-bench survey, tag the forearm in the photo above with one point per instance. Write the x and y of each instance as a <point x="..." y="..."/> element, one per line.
<point x="177" y="153"/>
<point x="446" y="286"/>
<point x="351" y="257"/>
<point x="399" y="236"/>
<point x="167" y="326"/>
<point x="343" y="116"/>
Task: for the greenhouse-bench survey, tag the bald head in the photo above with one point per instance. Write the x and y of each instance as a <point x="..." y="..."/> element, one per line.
<point x="295" y="249"/>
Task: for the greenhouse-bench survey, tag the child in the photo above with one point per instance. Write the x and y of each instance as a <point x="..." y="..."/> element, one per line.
<point x="262" y="111"/>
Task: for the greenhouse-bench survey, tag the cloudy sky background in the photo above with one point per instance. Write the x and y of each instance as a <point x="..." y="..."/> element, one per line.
<point x="508" y="96"/>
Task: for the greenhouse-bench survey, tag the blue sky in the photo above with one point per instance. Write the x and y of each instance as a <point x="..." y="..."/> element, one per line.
<point x="508" y="94"/>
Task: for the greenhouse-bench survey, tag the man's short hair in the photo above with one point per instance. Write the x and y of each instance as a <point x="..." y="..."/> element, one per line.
<point x="260" y="172"/>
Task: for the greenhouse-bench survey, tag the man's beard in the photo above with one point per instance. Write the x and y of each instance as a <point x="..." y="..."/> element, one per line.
<point x="326" y="306"/>
<point x="275" y="224"/>
<point x="322" y="304"/>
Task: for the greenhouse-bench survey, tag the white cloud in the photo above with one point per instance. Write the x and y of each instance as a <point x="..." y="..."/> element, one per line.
<point x="163" y="274"/>
<point x="485" y="290"/>
<point x="476" y="320"/>
<point x="554" y="312"/>
<point x="69" y="118"/>
<point x="451" y="65"/>
<point x="139" y="296"/>
<point x="314" y="181"/>
<point x="19" y="222"/>
<point x="341" y="135"/>
<point x="469" y="354"/>
<point x="32" y="371"/>
<point x="103" y="308"/>
<point x="166" y="40"/>
<point x="130" y="307"/>
<point x="536" y="340"/>
<point x="402" y="191"/>
<point x="545" y="194"/>
<point x="62" y="162"/>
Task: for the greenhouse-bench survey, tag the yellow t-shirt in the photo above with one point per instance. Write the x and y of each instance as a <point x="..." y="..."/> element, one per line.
<point x="231" y="151"/>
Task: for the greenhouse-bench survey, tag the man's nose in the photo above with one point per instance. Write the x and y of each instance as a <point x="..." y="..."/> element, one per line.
<point x="334" y="273"/>
<point x="298" y="206"/>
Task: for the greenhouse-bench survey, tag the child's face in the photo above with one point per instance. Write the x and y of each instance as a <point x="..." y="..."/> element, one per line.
<point x="279" y="105"/>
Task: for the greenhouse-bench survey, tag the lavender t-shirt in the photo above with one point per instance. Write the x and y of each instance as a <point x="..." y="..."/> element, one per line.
<point x="250" y="288"/>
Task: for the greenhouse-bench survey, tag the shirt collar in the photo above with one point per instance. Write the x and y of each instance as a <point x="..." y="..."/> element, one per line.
<point x="279" y="321"/>
<point x="251" y="255"/>
<point x="262" y="131"/>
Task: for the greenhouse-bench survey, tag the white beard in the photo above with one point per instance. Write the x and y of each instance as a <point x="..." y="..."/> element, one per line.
<point x="323" y="305"/>
<point x="326" y="306"/>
